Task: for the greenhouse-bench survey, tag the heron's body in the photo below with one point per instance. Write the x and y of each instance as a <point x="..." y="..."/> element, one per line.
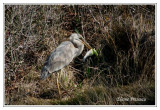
<point x="62" y="55"/>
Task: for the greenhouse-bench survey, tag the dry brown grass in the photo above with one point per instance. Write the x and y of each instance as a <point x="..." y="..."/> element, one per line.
<point x="123" y="35"/>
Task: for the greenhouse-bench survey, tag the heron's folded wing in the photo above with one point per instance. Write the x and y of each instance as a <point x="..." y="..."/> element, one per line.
<point x="61" y="57"/>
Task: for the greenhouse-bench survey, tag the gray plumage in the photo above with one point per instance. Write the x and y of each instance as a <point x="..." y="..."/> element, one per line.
<point x="63" y="55"/>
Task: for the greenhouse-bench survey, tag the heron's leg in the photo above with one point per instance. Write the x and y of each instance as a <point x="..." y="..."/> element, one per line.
<point x="61" y="74"/>
<point x="58" y="86"/>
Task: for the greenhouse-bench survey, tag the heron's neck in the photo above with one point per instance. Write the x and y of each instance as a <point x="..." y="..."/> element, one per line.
<point x="80" y="47"/>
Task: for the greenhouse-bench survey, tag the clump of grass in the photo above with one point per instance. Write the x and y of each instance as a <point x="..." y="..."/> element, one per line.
<point x="101" y="95"/>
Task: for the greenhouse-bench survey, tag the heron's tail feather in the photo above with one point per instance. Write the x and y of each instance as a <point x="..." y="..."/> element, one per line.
<point x="45" y="73"/>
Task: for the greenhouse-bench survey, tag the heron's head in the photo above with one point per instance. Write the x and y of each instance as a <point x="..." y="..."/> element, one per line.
<point x="44" y="73"/>
<point x="76" y="36"/>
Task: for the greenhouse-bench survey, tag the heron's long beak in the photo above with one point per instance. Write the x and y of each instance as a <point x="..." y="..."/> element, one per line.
<point x="86" y="44"/>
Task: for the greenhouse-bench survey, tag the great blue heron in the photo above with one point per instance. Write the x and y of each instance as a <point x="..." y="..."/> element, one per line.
<point x="63" y="55"/>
